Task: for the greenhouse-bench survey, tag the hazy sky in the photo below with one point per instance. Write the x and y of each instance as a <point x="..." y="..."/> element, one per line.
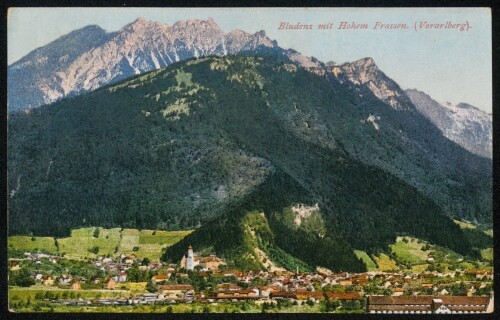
<point x="448" y="64"/>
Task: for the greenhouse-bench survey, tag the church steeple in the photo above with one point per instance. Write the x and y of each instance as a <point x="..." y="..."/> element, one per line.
<point x="190" y="259"/>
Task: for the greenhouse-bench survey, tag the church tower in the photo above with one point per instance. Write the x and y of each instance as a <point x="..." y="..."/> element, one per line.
<point x="190" y="259"/>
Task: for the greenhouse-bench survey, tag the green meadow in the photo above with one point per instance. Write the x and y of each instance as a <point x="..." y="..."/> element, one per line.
<point x="96" y="241"/>
<point x="370" y="264"/>
<point x="409" y="251"/>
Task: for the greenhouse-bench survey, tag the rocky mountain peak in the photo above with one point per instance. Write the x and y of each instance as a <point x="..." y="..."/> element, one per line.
<point x="88" y="58"/>
<point x="261" y="34"/>
<point x="358" y="72"/>
<point x="463" y="123"/>
<point x="365" y="73"/>
<point x="139" y="21"/>
<point x="78" y="40"/>
<point x="463" y="105"/>
<point x="263" y="39"/>
<point x="364" y="63"/>
<point x="194" y="25"/>
<point x="93" y="28"/>
<point x="141" y="25"/>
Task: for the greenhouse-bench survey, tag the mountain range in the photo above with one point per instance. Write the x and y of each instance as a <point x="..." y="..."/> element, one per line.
<point x="462" y="123"/>
<point x="88" y="58"/>
<point x="233" y="143"/>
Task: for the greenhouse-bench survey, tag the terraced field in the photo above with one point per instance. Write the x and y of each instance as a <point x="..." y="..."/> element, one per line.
<point x="94" y="241"/>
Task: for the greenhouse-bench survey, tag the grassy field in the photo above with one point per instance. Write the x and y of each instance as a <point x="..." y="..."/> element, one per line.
<point x="464" y="225"/>
<point x="419" y="268"/>
<point x="82" y="242"/>
<point x="409" y="252"/>
<point x="487" y="254"/>
<point x="385" y="263"/>
<point x="468" y="225"/>
<point x="370" y="265"/>
<point x="18" y="294"/>
<point x="46" y="244"/>
<point x="135" y="287"/>
<point x="409" y="255"/>
<point x="176" y="308"/>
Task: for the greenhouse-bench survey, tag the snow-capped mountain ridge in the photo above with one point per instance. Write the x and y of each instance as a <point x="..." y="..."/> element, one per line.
<point x="462" y="123"/>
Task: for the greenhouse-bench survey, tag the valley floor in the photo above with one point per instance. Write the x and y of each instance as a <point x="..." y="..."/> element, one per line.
<point x="43" y="279"/>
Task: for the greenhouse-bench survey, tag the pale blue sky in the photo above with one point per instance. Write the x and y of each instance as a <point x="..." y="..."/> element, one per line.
<point x="447" y="64"/>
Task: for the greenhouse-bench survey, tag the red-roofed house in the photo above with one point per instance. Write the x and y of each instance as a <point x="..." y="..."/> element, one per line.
<point x="159" y="278"/>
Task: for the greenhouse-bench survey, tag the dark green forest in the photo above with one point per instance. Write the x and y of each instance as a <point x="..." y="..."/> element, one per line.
<point x="200" y="143"/>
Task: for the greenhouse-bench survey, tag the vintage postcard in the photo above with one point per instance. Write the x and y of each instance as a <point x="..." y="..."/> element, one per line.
<point x="250" y="160"/>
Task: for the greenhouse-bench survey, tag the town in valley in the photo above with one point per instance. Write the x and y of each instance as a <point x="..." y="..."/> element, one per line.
<point x="46" y="282"/>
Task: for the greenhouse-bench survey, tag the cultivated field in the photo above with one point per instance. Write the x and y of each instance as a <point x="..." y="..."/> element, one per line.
<point x="95" y="241"/>
<point x="385" y="263"/>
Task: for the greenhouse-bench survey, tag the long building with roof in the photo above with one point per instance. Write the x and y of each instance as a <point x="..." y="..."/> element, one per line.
<point x="429" y="304"/>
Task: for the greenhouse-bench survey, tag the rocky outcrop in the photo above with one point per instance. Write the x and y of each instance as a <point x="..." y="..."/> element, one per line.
<point x="365" y="73"/>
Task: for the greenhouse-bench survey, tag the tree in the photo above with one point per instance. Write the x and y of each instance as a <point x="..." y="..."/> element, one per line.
<point x="351" y="305"/>
<point x="330" y="305"/>
<point x="133" y="274"/>
<point x="145" y="261"/>
<point x="96" y="232"/>
<point x="94" y="250"/>
<point x="22" y="279"/>
<point x="150" y="287"/>
<point x="170" y="309"/>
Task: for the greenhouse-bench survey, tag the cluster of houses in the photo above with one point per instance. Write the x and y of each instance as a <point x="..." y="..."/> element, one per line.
<point x="37" y="258"/>
<point x="403" y="293"/>
<point x="230" y="292"/>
